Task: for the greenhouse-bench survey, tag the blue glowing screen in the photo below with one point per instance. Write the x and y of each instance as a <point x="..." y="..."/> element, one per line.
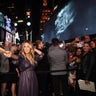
<point x="75" y="18"/>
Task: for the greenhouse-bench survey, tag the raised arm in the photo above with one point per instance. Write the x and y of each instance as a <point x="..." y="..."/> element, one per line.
<point x="2" y="50"/>
<point x="38" y="51"/>
<point x="8" y="53"/>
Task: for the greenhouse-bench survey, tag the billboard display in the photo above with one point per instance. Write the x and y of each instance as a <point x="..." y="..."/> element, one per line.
<point x="73" y="19"/>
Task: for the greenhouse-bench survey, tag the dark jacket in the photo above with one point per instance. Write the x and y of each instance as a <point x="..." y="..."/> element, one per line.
<point x="87" y="66"/>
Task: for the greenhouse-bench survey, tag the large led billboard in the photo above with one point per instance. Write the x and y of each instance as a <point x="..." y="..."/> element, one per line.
<point x="75" y="18"/>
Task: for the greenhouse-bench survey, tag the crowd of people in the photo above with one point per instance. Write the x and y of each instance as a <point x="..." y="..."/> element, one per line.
<point x="48" y="69"/>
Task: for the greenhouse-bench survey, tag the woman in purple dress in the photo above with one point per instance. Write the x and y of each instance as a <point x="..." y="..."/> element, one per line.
<point x="28" y="84"/>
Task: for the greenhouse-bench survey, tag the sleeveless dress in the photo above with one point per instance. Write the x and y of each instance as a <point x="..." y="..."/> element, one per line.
<point x="28" y="84"/>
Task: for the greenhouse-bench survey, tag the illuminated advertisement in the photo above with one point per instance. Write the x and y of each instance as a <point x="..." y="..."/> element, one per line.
<point x="8" y="29"/>
<point x="73" y="19"/>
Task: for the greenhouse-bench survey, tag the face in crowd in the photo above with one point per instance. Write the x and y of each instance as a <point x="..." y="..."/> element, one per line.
<point x="86" y="48"/>
<point x="27" y="48"/>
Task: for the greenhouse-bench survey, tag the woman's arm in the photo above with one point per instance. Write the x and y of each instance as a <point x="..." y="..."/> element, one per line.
<point x="38" y="51"/>
<point x="39" y="54"/>
<point x="8" y="53"/>
<point x="2" y="50"/>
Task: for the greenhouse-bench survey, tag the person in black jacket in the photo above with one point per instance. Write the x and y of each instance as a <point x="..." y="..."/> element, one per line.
<point x="86" y="68"/>
<point x="43" y="65"/>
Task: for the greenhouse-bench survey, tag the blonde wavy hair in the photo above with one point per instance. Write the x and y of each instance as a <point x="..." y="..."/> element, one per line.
<point x="31" y="51"/>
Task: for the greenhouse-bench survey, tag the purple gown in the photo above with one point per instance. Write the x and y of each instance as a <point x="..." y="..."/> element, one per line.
<point x="28" y="84"/>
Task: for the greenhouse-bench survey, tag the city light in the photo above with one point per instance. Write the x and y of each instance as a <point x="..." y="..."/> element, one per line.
<point x="15" y="24"/>
<point x="20" y="21"/>
<point x="28" y="23"/>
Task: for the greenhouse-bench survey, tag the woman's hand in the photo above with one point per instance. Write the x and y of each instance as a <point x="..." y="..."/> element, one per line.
<point x="8" y="54"/>
<point x="38" y="51"/>
<point x="87" y="82"/>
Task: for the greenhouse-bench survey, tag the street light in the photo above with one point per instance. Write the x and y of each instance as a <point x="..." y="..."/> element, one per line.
<point x="28" y="23"/>
<point x="15" y="24"/>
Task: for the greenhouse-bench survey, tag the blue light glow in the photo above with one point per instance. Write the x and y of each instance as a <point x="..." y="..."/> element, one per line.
<point x="64" y="18"/>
